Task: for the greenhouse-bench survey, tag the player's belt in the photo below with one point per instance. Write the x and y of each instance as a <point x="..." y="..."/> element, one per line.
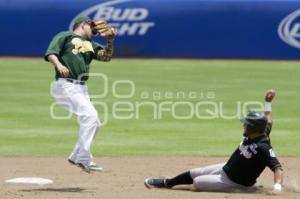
<point x="74" y="81"/>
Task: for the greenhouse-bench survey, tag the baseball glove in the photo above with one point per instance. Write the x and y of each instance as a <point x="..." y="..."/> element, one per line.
<point x="104" y="29"/>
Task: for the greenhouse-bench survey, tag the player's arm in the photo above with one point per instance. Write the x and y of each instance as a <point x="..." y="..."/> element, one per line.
<point x="105" y="30"/>
<point x="270" y="94"/>
<point x="106" y="53"/>
<point x="269" y="159"/>
<point x="268" y="104"/>
<point x="278" y="180"/>
<point x="54" y="50"/>
<point x="63" y="70"/>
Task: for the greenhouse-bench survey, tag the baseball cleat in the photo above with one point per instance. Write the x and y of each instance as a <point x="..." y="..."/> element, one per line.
<point x="94" y="167"/>
<point x="72" y="162"/>
<point x="89" y="168"/>
<point x="155" y="183"/>
<point x="84" y="167"/>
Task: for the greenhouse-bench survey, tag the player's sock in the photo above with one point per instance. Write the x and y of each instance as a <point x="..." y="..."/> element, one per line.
<point x="184" y="178"/>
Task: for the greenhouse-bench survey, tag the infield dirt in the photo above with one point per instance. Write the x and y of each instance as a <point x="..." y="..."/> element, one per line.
<point x="122" y="178"/>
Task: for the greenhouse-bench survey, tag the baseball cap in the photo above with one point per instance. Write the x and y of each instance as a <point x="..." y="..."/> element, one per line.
<point x="81" y="19"/>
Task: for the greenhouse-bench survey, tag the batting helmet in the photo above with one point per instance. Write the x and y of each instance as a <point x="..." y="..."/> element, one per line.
<point x="255" y="121"/>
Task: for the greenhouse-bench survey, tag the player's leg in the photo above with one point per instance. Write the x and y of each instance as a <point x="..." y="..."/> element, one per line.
<point x="89" y="124"/>
<point x="218" y="183"/>
<point x="73" y="156"/>
<point x="84" y="89"/>
<point x="71" y="97"/>
<point x="213" y="183"/>
<point x="183" y="178"/>
<point x="208" y="170"/>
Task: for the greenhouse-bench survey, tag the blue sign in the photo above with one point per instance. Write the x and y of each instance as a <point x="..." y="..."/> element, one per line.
<point x="161" y="28"/>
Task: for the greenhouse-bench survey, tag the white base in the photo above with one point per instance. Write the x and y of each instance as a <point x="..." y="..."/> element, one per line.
<point x="30" y="180"/>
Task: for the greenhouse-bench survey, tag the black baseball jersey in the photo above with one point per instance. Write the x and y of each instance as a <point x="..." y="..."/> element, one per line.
<point x="250" y="159"/>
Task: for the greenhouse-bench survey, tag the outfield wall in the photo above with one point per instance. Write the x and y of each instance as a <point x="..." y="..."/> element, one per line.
<point x="262" y="29"/>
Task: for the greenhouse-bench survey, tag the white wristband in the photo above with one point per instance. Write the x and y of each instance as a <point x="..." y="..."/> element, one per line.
<point x="268" y="106"/>
<point x="277" y="187"/>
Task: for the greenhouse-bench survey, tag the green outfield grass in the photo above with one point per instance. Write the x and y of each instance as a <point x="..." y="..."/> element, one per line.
<point x="27" y="129"/>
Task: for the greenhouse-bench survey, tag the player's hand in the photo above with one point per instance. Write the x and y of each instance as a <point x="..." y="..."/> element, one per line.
<point x="104" y="29"/>
<point x="270" y="95"/>
<point x="64" y="71"/>
<point x="277" y="189"/>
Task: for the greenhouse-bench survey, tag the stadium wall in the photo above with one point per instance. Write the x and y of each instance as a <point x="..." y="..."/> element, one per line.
<point x="250" y="29"/>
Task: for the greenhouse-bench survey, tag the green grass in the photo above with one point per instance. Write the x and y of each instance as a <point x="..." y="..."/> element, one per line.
<point x="27" y="129"/>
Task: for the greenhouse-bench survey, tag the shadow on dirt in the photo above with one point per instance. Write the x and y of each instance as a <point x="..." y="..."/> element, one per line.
<point x="65" y="189"/>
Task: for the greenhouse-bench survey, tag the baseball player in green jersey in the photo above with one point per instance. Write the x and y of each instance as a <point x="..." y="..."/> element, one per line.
<point x="71" y="53"/>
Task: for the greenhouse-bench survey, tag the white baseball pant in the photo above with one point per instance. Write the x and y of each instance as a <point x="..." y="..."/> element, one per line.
<point x="75" y="98"/>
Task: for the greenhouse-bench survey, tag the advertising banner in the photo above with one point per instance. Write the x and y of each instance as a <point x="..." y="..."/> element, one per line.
<point x="161" y="28"/>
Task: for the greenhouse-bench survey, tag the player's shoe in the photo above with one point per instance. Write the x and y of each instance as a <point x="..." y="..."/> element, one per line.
<point x="155" y="183"/>
<point x="84" y="167"/>
<point x="89" y="168"/>
<point x="94" y="167"/>
<point x="72" y="162"/>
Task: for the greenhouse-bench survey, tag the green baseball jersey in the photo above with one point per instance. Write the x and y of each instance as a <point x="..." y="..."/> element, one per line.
<point x="74" y="52"/>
